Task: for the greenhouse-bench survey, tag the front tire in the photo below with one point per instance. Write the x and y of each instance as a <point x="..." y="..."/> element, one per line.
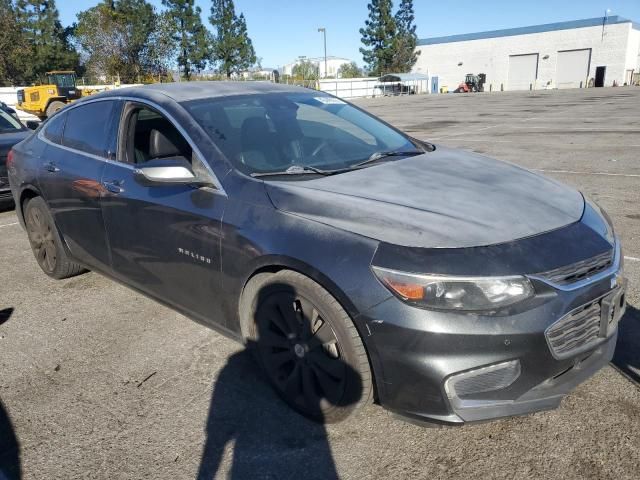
<point x="53" y="107"/>
<point x="307" y="345"/>
<point x="46" y="243"/>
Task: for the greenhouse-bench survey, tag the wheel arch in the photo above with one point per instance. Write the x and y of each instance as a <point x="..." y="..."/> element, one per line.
<point x="27" y="192"/>
<point x="276" y="263"/>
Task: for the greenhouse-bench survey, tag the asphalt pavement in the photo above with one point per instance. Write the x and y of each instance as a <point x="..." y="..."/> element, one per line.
<point x="97" y="381"/>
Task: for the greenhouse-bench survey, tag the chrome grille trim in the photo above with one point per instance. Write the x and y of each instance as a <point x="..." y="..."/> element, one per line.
<point x="577" y="331"/>
<point x="612" y="269"/>
<point x="579" y="270"/>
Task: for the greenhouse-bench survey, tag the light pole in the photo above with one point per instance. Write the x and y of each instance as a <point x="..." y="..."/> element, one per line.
<point x="324" y="34"/>
<point x="604" y="22"/>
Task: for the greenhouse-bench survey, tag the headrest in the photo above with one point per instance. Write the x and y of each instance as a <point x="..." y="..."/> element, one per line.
<point x="161" y="146"/>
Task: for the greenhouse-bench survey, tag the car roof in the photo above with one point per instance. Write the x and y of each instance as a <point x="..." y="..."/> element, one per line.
<point x="187" y="91"/>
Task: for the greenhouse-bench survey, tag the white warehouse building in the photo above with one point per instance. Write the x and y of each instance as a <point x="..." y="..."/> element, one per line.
<point x="594" y="51"/>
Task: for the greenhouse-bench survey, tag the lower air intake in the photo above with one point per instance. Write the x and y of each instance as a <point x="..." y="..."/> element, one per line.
<point x="482" y="380"/>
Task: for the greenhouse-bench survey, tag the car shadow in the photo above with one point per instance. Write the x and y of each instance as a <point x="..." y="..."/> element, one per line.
<point x="252" y="433"/>
<point x="627" y="354"/>
<point x="9" y="445"/>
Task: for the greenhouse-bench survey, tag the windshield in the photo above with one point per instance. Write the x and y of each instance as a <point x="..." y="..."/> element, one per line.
<point x="272" y="132"/>
<point x="62" y="79"/>
<point x="8" y="123"/>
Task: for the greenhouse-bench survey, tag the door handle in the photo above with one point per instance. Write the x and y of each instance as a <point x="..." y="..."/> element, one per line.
<point x="114" y="186"/>
<point x="51" y="167"/>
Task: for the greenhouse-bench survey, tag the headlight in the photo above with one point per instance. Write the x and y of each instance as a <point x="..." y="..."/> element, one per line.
<point x="456" y="293"/>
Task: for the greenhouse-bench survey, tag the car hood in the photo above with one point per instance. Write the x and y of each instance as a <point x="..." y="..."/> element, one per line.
<point x="443" y="199"/>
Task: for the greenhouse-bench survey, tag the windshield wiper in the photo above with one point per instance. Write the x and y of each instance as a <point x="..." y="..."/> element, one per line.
<point x="307" y="169"/>
<point x="295" y="170"/>
<point x="380" y="155"/>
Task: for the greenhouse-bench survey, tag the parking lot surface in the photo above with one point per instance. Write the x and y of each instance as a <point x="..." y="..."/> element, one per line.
<point x="100" y="382"/>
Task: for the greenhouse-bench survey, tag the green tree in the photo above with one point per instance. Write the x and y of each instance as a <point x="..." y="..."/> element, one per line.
<point x="232" y="47"/>
<point x="115" y="37"/>
<point x="162" y="49"/>
<point x="138" y="18"/>
<point x="49" y="44"/>
<point x="405" y="55"/>
<point x="305" y="70"/>
<point x="191" y="36"/>
<point x="349" y="70"/>
<point x="378" y="37"/>
<point x="13" y="45"/>
<point x="100" y="36"/>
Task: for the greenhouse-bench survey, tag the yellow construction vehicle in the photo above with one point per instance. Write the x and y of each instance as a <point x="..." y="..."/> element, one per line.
<point x="44" y="100"/>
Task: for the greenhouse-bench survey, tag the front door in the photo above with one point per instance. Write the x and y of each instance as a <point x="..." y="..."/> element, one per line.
<point x="79" y="142"/>
<point x="600" y="74"/>
<point x="164" y="240"/>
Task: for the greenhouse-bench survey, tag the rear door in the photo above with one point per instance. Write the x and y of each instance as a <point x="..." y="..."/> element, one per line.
<point x="165" y="240"/>
<point x="79" y="142"/>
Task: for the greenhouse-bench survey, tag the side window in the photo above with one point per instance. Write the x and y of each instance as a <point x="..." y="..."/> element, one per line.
<point x="151" y="136"/>
<point x="88" y="127"/>
<point x="54" y="128"/>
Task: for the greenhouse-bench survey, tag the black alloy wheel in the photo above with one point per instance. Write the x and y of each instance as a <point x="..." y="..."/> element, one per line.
<point x="300" y="352"/>
<point x="307" y="344"/>
<point x="46" y="242"/>
<point x="42" y="242"/>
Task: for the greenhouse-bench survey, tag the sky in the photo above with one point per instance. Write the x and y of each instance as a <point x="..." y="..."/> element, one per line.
<point x="283" y="30"/>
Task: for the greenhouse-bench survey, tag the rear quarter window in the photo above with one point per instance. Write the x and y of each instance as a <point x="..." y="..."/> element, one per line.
<point x="88" y="127"/>
<point x="54" y="128"/>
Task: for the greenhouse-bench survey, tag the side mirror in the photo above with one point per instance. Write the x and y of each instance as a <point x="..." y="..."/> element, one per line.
<point x="32" y="124"/>
<point x="167" y="171"/>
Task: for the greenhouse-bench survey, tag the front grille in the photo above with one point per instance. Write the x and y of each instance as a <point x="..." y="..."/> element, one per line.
<point x="575" y="332"/>
<point x="579" y="270"/>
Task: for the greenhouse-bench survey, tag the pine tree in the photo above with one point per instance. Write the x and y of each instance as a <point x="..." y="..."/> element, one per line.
<point x="40" y="24"/>
<point x="14" y="49"/>
<point x="405" y="41"/>
<point x="190" y="34"/>
<point x="232" y="47"/>
<point x="377" y="36"/>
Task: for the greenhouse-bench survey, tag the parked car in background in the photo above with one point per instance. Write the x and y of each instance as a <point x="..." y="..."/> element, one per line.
<point x="358" y="263"/>
<point x="8" y="109"/>
<point x="12" y="131"/>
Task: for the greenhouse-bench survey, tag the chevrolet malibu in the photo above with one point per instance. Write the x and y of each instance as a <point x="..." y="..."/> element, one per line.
<point x="358" y="264"/>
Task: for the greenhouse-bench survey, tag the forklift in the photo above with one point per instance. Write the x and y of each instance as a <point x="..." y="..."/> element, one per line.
<point x="472" y="83"/>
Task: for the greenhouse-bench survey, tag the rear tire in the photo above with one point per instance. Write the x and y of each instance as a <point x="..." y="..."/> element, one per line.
<point x="46" y="243"/>
<point x="307" y="345"/>
<point x="53" y="107"/>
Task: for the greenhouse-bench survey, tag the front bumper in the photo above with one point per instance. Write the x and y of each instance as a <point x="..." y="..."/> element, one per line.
<point x="414" y="352"/>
